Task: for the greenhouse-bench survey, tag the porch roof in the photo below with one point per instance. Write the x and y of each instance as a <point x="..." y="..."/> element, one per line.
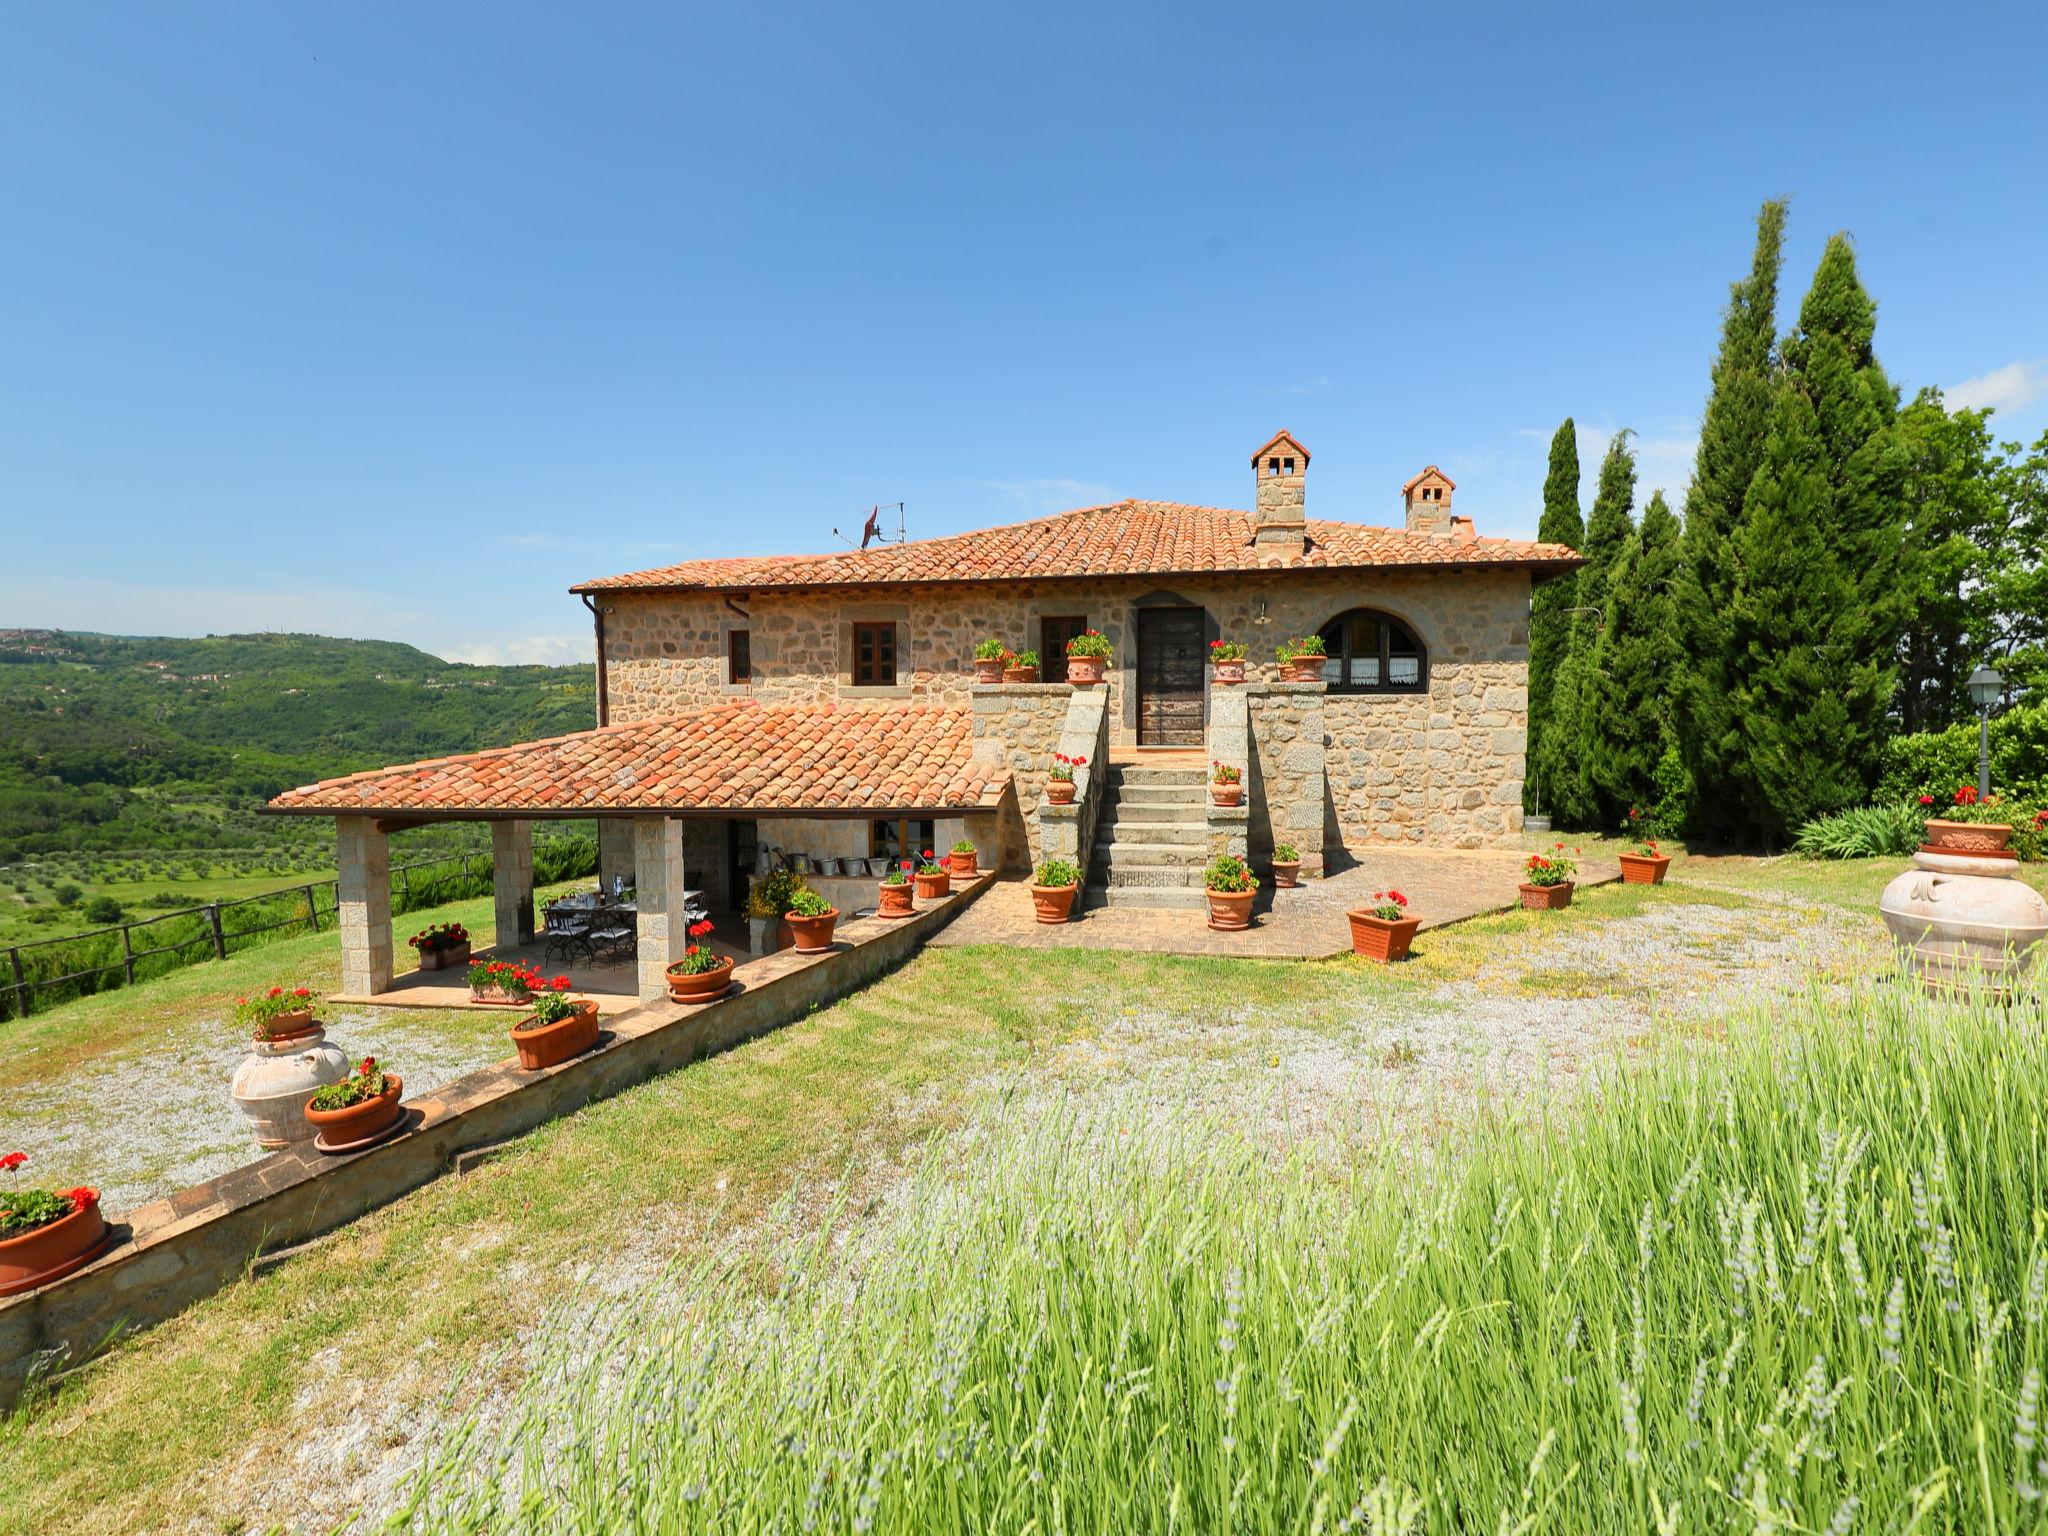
<point x="735" y="758"/>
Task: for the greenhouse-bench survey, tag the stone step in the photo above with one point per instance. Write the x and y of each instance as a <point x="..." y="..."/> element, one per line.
<point x="1129" y="774"/>
<point x="1130" y="850"/>
<point x="1152" y="876"/>
<point x="1160" y="794"/>
<point x="1123" y="830"/>
<point x="1146" y="896"/>
<point x="1175" y="811"/>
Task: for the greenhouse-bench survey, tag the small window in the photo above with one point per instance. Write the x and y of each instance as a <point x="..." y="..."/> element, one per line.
<point x="1272" y="466"/>
<point x="739" y="656"/>
<point x="874" y="655"/>
<point x="1374" y="653"/>
<point x="1053" y="635"/>
<point x="890" y="839"/>
<point x="1290" y="465"/>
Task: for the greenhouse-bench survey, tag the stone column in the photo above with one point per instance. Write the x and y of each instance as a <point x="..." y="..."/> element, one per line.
<point x="658" y="866"/>
<point x="512" y="880"/>
<point x="363" y="900"/>
<point x="614" y="850"/>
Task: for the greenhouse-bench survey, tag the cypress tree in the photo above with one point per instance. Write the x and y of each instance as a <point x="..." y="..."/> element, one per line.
<point x="1731" y="447"/>
<point x="1635" y="665"/>
<point x="1562" y="754"/>
<point x="1549" y="607"/>
<point x="1820" y="602"/>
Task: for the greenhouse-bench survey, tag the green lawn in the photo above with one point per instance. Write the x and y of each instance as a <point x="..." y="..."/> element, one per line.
<point x="372" y="1326"/>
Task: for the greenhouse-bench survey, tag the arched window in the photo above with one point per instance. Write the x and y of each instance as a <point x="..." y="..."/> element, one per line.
<point x="1374" y="652"/>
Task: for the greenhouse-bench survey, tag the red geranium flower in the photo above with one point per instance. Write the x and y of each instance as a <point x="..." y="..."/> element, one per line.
<point x="1927" y="799"/>
<point x="81" y="1197"/>
<point x="698" y="930"/>
<point x="301" y="992"/>
<point x="12" y="1161"/>
<point x="277" y="991"/>
<point x="1966" y="794"/>
<point x="367" y="1065"/>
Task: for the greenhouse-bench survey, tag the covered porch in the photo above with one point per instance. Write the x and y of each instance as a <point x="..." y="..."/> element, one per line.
<point x="667" y="797"/>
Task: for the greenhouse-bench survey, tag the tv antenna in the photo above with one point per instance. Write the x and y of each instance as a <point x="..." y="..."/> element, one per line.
<point x="874" y="529"/>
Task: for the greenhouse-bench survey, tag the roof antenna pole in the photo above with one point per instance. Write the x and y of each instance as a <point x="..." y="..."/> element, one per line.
<point x="871" y="530"/>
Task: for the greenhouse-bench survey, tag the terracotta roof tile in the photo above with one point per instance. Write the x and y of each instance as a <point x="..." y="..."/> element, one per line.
<point x="1128" y="538"/>
<point x="740" y="756"/>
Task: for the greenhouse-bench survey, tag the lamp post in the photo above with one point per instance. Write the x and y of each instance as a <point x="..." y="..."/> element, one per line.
<point x="1985" y="687"/>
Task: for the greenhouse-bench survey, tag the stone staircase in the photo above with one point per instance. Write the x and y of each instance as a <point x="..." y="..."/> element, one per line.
<point x="1151" y="839"/>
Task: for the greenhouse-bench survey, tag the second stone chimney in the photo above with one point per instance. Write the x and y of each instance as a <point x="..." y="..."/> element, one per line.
<point x="1426" y="500"/>
<point x="1280" y="504"/>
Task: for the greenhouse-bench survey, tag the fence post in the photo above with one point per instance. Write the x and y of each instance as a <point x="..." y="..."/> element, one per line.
<point x="220" y="943"/>
<point x="127" y="955"/>
<point x="22" y="990"/>
<point x="312" y="909"/>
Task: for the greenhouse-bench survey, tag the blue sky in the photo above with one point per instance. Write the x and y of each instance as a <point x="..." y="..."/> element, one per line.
<point x="394" y="320"/>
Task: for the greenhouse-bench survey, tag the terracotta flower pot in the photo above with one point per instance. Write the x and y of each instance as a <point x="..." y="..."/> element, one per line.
<point x="964" y="864"/>
<point x="359" y="1122"/>
<point x="1020" y="674"/>
<point x="1967" y="836"/>
<point x="1229" y="671"/>
<point x="990" y="671"/>
<point x="1382" y="939"/>
<point x="546" y="1045"/>
<point x="1284" y="873"/>
<point x="294" y="1025"/>
<point x="54" y="1249"/>
<point x="1643" y="868"/>
<point x="1085" y="671"/>
<point x="701" y="987"/>
<point x="896" y="900"/>
<point x="1306" y="669"/>
<point x="932" y="887"/>
<point x="1230" y="910"/>
<point x="1546" y="898"/>
<point x="1059" y="791"/>
<point x="1227" y="794"/>
<point x="1053" y="903"/>
<point x="813" y="934"/>
<point x="438" y="958"/>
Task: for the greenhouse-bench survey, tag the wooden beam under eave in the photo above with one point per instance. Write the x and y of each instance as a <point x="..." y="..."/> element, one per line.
<point x="390" y="824"/>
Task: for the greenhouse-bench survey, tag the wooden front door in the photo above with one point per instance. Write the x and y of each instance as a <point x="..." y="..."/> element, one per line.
<point x="1172" y="701"/>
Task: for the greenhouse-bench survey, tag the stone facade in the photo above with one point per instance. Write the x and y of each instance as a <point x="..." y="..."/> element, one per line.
<point x="1443" y="767"/>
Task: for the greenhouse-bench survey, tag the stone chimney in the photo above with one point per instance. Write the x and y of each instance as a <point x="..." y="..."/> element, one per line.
<point x="1280" y="505"/>
<point x="1426" y="501"/>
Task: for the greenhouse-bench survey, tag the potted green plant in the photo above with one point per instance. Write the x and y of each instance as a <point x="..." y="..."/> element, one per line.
<point x="811" y="920"/>
<point x="441" y="945"/>
<point x="1059" y="779"/>
<point x="931" y="878"/>
<point x="1230" y="886"/>
<point x="1547" y="880"/>
<point x="45" y="1233"/>
<point x="1088" y="656"/>
<point x="278" y="1014"/>
<point x="703" y="973"/>
<point x="558" y="1028"/>
<point x="1054" y="884"/>
<point x="1286" y="866"/>
<point x="363" y="1107"/>
<point x="990" y="657"/>
<point x="1302" y="658"/>
<point x="1226" y="659"/>
<point x="896" y="892"/>
<point x="1226" y="784"/>
<point x="1646" y="866"/>
<point x="1970" y="823"/>
<point x="962" y="858"/>
<point x="1384" y="930"/>
<point x="769" y="901"/>
<point x="1021" y="667"/>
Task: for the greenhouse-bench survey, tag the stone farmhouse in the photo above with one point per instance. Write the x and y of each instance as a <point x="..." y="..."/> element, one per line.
<point x="826" y="705"/>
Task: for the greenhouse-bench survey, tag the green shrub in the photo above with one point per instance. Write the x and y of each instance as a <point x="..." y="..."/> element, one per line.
<point x="1868" y="832"/>
<point x="1937" y="761"/>
<point x="1787" y="1285"/>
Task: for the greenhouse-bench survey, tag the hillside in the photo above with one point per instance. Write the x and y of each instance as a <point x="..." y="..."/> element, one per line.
<point x="116" y="743"/>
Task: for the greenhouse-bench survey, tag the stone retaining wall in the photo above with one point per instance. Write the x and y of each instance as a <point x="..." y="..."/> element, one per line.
<point x="174" y="1252"/>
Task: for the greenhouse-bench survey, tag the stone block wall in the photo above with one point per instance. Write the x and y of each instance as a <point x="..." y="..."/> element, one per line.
<point x="1443" y="767"/>
<point x="1019" y="725"/>
<point x="1068" y="831"/>
<point x="1290" y="800"/>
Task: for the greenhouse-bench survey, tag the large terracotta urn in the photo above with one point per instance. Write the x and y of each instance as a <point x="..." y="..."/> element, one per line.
<point x="1962" y="921"/>
<point x="278" y="1078"/>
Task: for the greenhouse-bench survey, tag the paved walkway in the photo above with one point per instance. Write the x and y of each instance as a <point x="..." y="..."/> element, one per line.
<point x="1442" y="886"/>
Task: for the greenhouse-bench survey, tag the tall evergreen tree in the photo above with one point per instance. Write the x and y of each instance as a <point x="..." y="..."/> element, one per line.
<point x="1634" y="667"/>
<point x="1957" y="540"/>
<point x="1561" y="755"/>
<point x="1731" y="447"/>
<point x="1550" y="616"/>
<point x="1820" y="602"/>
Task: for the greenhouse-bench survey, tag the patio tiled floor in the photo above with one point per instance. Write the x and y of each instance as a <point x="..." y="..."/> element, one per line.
<point x="1442" y="886"/>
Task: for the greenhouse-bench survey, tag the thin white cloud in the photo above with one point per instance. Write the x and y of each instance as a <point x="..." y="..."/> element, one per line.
<point x="1040" y="498"/>
<point x="2006" y="389"/>
<point x="525" y="650"/>
<point x="1663" y="462"/>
